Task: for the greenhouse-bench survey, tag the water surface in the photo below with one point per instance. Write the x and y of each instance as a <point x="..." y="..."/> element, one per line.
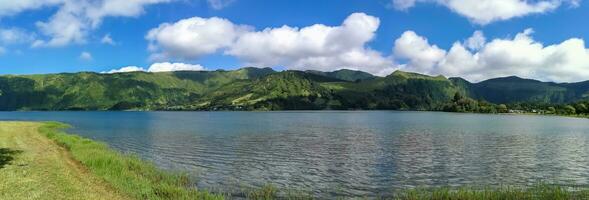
<point x="344" y="153"/>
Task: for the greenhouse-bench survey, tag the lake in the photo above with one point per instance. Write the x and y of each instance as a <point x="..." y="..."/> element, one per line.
<point x="339" y="153"/>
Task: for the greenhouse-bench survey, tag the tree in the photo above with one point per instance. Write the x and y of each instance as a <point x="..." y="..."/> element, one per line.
<point x="570" y="110"/>
<point x="502" y="108"/>
<point x="551" y="110"/>
<point x="457" y="97"/>
<point x="581" y="108"/>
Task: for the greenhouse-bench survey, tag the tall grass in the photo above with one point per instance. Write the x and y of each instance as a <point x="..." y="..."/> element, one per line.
<point x="129" y="174"/>
<point x="538" y="192"/>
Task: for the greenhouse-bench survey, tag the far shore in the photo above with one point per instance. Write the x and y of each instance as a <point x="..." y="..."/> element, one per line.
<point x="358" y="110"/>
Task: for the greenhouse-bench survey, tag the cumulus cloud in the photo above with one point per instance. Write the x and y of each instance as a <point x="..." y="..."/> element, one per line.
<point x="420" y="54"/>
<point x="124" y="70"/>
<point x="85" y="56"/>
<point x="521" y="55"/>
<point x="168" y="67"/>
<point x="74" y="19"/>
<point x="160" y="67"/>
<point x="191" y="38"/>
<point x="313" y="47"/>
<point x="487" y="11"/>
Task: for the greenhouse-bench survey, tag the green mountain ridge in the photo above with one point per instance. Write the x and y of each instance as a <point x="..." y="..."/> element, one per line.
<point x="266" y="89"/>
<point x="513" y="89"/>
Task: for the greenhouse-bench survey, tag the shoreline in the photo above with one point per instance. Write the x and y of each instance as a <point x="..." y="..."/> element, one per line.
<point x="270" y="111"/>
<point x="127" y="176"/>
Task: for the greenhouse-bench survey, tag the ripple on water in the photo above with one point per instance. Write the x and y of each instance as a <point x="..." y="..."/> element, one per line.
<point x="345" y="153"/>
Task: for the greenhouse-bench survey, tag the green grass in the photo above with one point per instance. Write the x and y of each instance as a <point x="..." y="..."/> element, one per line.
<point x="538" y="192"/>
<point x="126" y="173"/>
<point x="34" y="167"/>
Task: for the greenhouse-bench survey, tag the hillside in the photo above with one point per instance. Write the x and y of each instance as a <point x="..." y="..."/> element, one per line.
<point x="120" y="91"/>
<point x="266" y="89"/>
<point x="516" y="90"/>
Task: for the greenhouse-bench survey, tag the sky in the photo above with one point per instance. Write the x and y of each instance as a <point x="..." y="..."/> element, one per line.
<point x="473" y="39"/>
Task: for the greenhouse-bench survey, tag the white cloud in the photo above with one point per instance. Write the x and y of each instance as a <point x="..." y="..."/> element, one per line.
<point x="191" y="38"/>
<point x="168" y="67"/>
<point x="37" y="43"/>
<point x="74" y="19"/>
<point x="124" y="69"/>
<point x="521" y="56"/>
<point x="15" y="36"/>
<point x="85" y="56"/>
<point x="476" y="41"/>
<point x="421" y="55"/>
<point x="160" y="67"/>
<point x="8" y="8"/>
<point x="313" y="47"/>
<point x="487" y="11"/>
<point x="107" y="40"/>
<point x="219" y="4"/>
<point x="404" y="4"/>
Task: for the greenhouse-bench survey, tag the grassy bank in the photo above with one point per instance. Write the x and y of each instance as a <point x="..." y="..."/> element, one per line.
<point x="128" y="174"/>
<point x="34" y="167"/>
<point x="538" y="192"/>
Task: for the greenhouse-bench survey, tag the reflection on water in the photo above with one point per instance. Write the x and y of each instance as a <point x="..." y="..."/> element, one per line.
<point x="345" y="153"/>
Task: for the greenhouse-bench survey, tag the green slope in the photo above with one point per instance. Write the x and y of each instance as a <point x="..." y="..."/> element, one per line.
<point x="304" y="90"/>
<point x="400" y="90"/>
<point x="266" y="89"/>
<point x="516" y="90"/>
<point x="93" y="91"/>
<point x="279" y="91"/>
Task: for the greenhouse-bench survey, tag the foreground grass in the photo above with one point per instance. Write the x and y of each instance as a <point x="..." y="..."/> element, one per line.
<point x="127" y="174"/>
<point x="538" y="192"/>
<point x="34" y="167"/>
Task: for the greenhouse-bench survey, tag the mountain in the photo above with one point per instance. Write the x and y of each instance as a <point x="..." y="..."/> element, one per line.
<point x="279" y="91"/>
<point x="266" y="89"/>
<point x="119" y="91"/>
<point x="514" y="89"/>
<point x="303" y="90"/>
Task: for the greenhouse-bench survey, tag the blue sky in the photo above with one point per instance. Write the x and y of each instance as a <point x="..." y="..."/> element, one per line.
<point x="411" y="35"/>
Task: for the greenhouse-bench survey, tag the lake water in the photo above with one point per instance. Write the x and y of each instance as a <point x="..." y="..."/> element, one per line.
<point x="344" y="153"/>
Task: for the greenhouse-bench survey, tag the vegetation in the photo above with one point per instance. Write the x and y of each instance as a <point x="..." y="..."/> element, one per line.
<point x="121" y="91"/>
<point x="577" y="109"/>
<point x="538" y="192"/>
<point x="34" y="167"/>
<point x="514" y="89"/>
<point x="265" y="89"/>
<point x="125" y="173"/>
